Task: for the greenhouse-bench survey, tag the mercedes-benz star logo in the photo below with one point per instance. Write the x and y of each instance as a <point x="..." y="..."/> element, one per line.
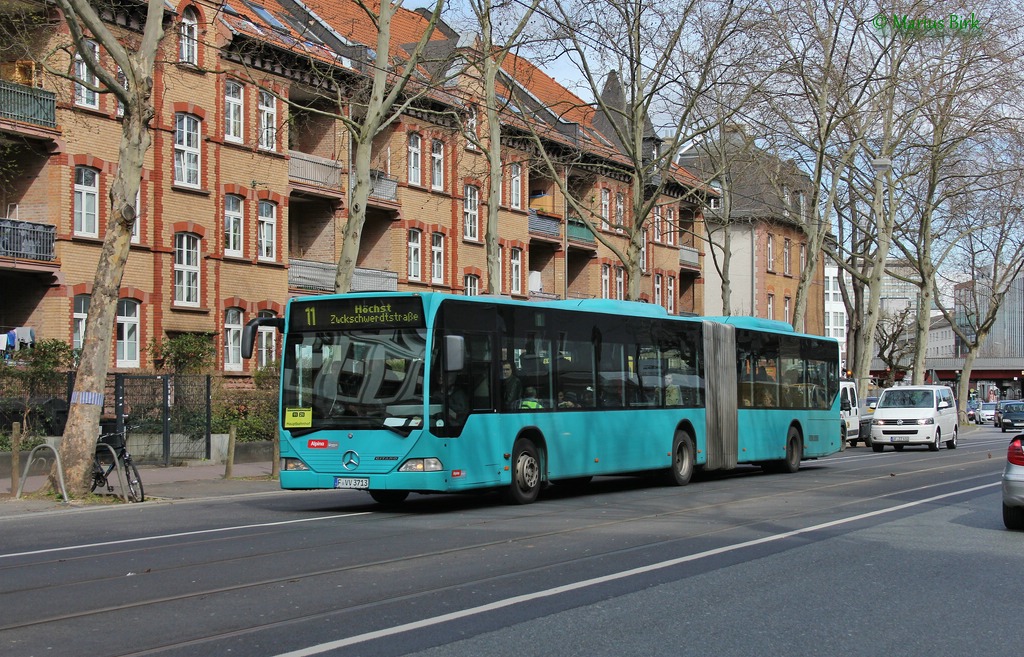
<point x="350" y="460"/>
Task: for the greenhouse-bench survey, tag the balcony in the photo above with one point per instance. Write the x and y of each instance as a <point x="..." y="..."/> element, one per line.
<point x="315" y="172"/>
<point x="27" y="105"/>
<point x="546" y="226"/>
<point x="383" y="186"/>
<point x="25" y="240"/>
<point x="319" y="277"/>
<point x="689" y="257"/>
<point x="577" y="231"/>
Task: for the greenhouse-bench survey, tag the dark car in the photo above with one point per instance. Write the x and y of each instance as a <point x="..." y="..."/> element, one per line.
<point x="972" y="409"/>
<point x="1012" y="416"/>
<point x="998" y="415"/>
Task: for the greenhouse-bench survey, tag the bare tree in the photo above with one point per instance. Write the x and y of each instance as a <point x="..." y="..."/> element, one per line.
<point x="893" y="339"/>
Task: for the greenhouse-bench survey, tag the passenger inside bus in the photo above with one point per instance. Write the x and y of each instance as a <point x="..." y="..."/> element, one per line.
<point x="511" y="387"/>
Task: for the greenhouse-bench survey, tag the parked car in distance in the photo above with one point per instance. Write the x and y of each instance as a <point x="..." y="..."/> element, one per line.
<point x="1013" y="485"/>
<point x="914" y="415"/>
<point x="997" y="418"/>
<point x="1012" y="416"/>
<point x="986" y="412"/>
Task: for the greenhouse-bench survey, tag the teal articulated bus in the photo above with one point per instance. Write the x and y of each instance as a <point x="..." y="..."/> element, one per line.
<point x="395" y="393"/>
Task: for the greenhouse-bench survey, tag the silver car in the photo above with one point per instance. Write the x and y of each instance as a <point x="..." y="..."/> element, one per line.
<point x="1013" y="485"/>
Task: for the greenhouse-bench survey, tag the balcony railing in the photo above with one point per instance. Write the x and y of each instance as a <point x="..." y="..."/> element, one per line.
<point x="689" y="256"/>
<point x="314" y="171"/>
<point x="319" y="277"/>
<point x="383" y="186"/>
<point x="26" y="240"/>
<point x="544" y="225"/>
<point x="28" y="104"/>
<point x="577" y="231"/>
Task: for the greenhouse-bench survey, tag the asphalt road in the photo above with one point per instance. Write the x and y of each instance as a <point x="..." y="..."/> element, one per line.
<point x="857" y="554"/>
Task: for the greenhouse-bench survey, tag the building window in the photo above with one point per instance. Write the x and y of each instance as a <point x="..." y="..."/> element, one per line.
<point x="186" y="269"/>
<point x="188" y="38"/>
<point x="233" y="225"/>
<point x="657" y="225"/>
<point x="472" y="285"/>
<point x="268" y="121"/>
<point x="715" y="202"/>
<point x="471" y="213"/>
<point x="87" y="194"/>
<point x="620" y="283"/>
<point x="414" y="159"/>
<point x="84" y="95"/>
<point x="785" y="201"/>
<point x="785" y="310"/>
<point x="657" y="289"/>
<point x="803" y="259"/>
<point x="643" y="250"/>
<point x="471" y="121"/>
<point x="670" y="227"/>
<point x="437" y="164"/>
<point x="515" y="186"/>
<point x="79" y="314"/>
<point x="787" y="248"/>
<point x="415" y="251"/>
<point x="605" y="281"/>
<point x="771" y="306"/>
<point x="127" y="333"/>
<point x="186" y="150"/>
<point x="670" y="293"/>
<point x="233" y="340"/>
<point x="266" y="342"/>
<point x="770" y="253"/>
<point x="516" y="270"/>
<point x="267" y="231"/>
<point x="605" y="208"/>
<point x="620" y="211"/>
<point x="233" y="111"/>
<point x="437" y="258"/>
<point x="137" y="224"/>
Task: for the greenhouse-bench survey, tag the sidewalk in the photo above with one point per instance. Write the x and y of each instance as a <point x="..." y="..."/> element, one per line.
<point x="173" y="483"/>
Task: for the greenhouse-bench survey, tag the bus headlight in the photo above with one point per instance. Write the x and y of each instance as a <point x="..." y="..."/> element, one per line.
<point x="421" y="465"/>
<point x="293" y="465"/>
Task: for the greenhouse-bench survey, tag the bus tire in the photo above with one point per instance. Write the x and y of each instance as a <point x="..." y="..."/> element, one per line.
<point x="794" y="454"/>
<point x="389" y="497"/>
<point x="681" y="470"/>
<point x="526" y="473"/>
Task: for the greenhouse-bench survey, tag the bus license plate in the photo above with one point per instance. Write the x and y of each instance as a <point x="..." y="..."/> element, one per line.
<point x="346" y="482"/>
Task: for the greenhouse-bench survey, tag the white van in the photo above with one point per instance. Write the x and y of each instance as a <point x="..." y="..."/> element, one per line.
<point x="914" y="415"/>
<point x="849" y="411"/>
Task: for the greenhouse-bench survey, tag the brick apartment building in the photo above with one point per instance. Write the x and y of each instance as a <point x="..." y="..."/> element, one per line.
<point x="244" y="197"/>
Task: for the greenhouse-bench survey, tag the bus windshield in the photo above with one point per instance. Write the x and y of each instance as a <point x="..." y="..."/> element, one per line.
<point x="355" y="379"/>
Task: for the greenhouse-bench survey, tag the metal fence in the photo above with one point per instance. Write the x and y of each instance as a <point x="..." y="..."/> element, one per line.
<point x="169" y="415"/>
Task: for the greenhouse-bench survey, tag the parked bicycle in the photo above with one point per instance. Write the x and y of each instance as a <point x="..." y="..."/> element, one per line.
<point x="104" y="465"/>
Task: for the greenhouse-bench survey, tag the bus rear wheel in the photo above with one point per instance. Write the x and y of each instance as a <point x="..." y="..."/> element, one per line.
<point x="525" y="486"/>
<point x="681" y="470"/>
<point x="794" y="454"/>
<point x="389" y="497"/>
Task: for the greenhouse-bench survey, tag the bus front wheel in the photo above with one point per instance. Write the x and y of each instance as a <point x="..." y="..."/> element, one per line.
<point x="525" y="486"/>
<point x="682" y="460"/>
<point x="389" y="497"/>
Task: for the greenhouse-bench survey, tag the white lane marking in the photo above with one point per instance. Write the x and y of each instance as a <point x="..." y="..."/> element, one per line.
<point x="198" y="532"/>
<point x="508" y="602"/>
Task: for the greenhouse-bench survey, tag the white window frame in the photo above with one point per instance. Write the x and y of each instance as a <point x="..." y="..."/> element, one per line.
<point x="437" y="258"/>
<point x="234" y="112"/>
<point x="128" y="333"/>
<point x="657" y="289"/>
<point x="515" y="186"/>
<point x="471" y="213"/>
<point x="770" y="253"/>
<point x="234" y="222"/>
<point x="233" y="322"/>
<point x="670" y="221"/>
<point x="786" y="306"/>
<point x="606" y="274"/>
<point x="187" y="272"/>
<point x="515" y="268"/>
<point x="437" y="164"/>
<point x="187" y="150"/>
<point x="620" y="211"/>
<point x="84" y="96"/>
<point x="620" y="283"/>
<point x="414" y="253"/>
<point x="415" y="159"/>
<point x="79" y="314"/>
<point x="137" y="224"/>
<point x="606" y="196"/>
<point x="658" y="228"/>
<point x="471" y="122"/>
<point x="267" y="108"/>
<point x="87" y="199"/>
<point x="670" y="295"/>
<point x="471" y="285"/>
<point x="770" y="309"/>
<point x="787" y="249"/>
<point x="266" y="233"/>
<point x="188" y="38"/>
<point x="643" y="250"/>
<point x="266" y="341"/>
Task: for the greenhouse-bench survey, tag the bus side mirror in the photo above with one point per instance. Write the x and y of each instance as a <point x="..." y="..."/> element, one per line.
<point x="455" y="353"/>
<point x="253" y="327"/>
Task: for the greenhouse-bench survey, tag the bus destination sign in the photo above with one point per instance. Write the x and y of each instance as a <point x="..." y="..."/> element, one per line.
<point x="362" y="313"/>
